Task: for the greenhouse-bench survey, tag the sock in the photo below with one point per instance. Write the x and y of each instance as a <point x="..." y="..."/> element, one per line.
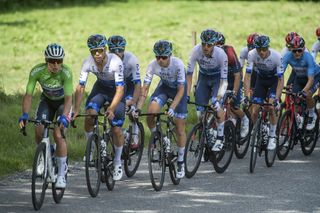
<point x="88" y="134"/>
<point x="153" y="129"/>
<point x="180" y="154"/>
<point x="220" y="129"/>
<point x="117" y="157"/>
<point x="272" y="130"/>
<point x="62" y="163"/>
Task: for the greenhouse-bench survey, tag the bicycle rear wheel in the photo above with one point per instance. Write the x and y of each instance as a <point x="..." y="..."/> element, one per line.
<point x="172" y="159"/>
<point x="222" y="159"/>
<point x="284" y="136"/>
<point x="58" y="193"/>
<point x="39" y="176"/>
<point x="156" y="161"/>
<point x="93" y="165"/>
<point x="255" y="144"/>
<point x="133" y="156"/>
<point x="194" y="150"/>
<point x="242" y="144"/>
<point x="309" y="141"/>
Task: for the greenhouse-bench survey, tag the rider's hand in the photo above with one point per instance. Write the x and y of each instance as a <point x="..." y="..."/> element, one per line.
<point x="131" y="109"/>
<point x="276" y="104"/>
<point x="170" y="112"/>
<point x="302" y="94"/>
<point x="109" y="114"/>
<point x="23" y="119"/>
<point x="215" y="104"/>
<point x="245" y="100"/>
<point x="62" y="119"/>
<point x="136" y="113"/>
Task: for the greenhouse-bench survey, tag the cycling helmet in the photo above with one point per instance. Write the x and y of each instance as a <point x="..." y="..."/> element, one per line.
<point x="289" y="37"/>
<point x="318" y="32"/>
<point x="96" y="41"/>
<point x="261" y="41"/>
<point x="208" y="36"/>
<point x="297" y="42"/>
<point x="162" y="48"/>
<point x="116" y="42"/>
<point x="251" y="38"/>
<point x="54" y="51"/>
<point x="221" y="40"/>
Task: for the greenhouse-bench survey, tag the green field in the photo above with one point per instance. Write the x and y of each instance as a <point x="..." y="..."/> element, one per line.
<point x="26" y="33"/>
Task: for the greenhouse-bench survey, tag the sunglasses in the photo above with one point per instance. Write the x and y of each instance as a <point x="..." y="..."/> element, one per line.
<point x="162" y="57"/>
<point x="206" y="44"/>
<point x="297" y="50"/>
<point x="94" y="51"/>
<point x="53" y="61"/>
<point x="117" y="50"/>
<point x="263" y="49"/>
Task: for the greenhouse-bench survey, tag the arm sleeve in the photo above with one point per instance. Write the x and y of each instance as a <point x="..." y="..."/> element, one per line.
<point x="135" y="70"/>
<point x="149" y="75"/>
<point x="181" y="79"/>
<point x="67" y="83"/>
<point x="84" y="73"/>
<point x="31" y="83"/>
<point x="116" y="66"/>
<point x="250" y="62"/>
<point x="280" y="67"/>
<point x="223" y="65"/>
<point x="192" y="62"/>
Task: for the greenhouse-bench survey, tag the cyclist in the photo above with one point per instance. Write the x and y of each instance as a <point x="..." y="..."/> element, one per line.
<point x="234" y="82"/>
<point x="212" y="81"/>
<point x="244" y="56"/>
<point x="109" y="87"/>
<point x="131" y="66"/>
<point x="172" y="84"/>
<point x="55" y="78"/>
<point x="269" y="82"/>
<point x="316" y="46"/>
<point x="307" y="74"/>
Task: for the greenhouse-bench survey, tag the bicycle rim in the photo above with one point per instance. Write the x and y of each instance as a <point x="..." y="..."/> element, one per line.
<point x="39" y="177"/>
<point x="284" y="137"/>
<point x="193" y="150"/>
<point x="254" y="145"/>
<point x="93" y="165"/>
<point x="133" y="158"/>
<point x="310" y="139"/>
<point x="58" y="193"/>
<point x="108" y="164"/>
<point x="242" y="144"/>
<point x="156" y="161"/>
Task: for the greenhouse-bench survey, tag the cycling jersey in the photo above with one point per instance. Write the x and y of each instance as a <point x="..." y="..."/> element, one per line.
<point x="243" y="57"/>
<point x="266" y="68"/>
<point x="315" y="49"/>
<point x="216" y="65"/>
<point x="131" y="67"/>
<point x="171" y="76"/>
<point x="233" y="64"/>
<point x="111" y="76"/>
<point x="54" y="85"/>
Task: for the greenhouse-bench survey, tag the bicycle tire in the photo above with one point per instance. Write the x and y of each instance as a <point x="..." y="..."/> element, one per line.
<point x="173" y="173"/>
<point x="156" y="158"/>
<point x="270" y="155"/>
<point x="242" y="144"/>
<point x="221" y="159"/>
<point x="39" y="158"/>
<point x="93" y="163"/>
<point x="133" y="157"/>
<point x="284" y="139"/>
<point x="108" y="164"/>
<point x="58" y="193"/>
<point x="309" y="141"/>
<point x="194" y="150"/>
<point x="255" y="146"/>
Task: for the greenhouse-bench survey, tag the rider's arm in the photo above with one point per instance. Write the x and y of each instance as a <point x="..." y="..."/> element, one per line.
<point x="136" y="93"/>
<point x="143" y="95"/>
<point x="280" y="73"/>
<point x="236" y="83"/>
<point x="249" y="69"/>
<point x="312" y="66"/>
<point x="189" y="83"/>
<point x="279" y="88"/>
<point x="236" y="66"/>
<point x="181" y="81"/>
<point x="190" y="70"/>
<point x="81" y="86"/>
<point x="117" y="98"/>
<point x="223" y="75"/>
<point x="117" y="66"/>
<point x="68" y="90"/>
<point x="27" y="99"/>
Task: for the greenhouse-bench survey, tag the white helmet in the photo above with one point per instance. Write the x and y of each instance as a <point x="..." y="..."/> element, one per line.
<point x="54" y="51"/>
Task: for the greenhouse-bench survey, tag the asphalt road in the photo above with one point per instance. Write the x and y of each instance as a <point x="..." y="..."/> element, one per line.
<point x="292" y="185"/>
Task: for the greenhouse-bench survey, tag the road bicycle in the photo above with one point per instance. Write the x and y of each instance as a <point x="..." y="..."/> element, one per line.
<point x="45" y="166"/>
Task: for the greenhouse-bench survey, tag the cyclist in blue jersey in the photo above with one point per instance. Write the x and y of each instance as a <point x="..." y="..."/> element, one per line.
<point x="269" y="82"/>
<point x="55" y="79"/>
<point x="117" y="45"/>
<point x="109" y="87"/>
<point x="234" y="82"/>
<point x="212" y="81"/>
<point x="307" y="74"/>
<point x="172" y="85"/>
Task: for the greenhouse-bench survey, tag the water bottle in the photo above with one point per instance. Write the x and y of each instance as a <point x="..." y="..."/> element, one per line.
<point x="299" y="121"/>
<point x="167" y="144"/>
<point x="103" y="148"/>
<point x="265" y="133"/>
<point x="126" y="136"/>
<point x="211" y="135"/>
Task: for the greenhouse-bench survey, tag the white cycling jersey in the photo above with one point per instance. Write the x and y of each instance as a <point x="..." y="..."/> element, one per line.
<point x="217" y="64"/>
<point x="112" y="73"/>
<point x="268" y="67"/>
<point x="315" y="49"/>
<point x="131" y="67"/>
<point x="172" y="76"/>
<point x="243" y="56"/>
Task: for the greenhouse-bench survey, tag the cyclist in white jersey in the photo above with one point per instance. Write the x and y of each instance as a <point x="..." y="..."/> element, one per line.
<point x="172" y="85"/>
<point x="269" y="81"/>
<point x="244" y="56"/>
<point x="109" y="86"/>
<point x="316" y="46"/>
<point x="117" y="45"/>
<point x="212" y="81"/>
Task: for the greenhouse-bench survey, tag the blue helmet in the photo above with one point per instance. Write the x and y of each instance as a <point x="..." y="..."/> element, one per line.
<point x="208" y="36"/>
<point x="96" y="41"/>
<point x="54" y="51"/>
<point x="116" y="42"/>
<point x="162" y="48"/>
<point x="261" y="41"/>
<point x="221" y="40"/>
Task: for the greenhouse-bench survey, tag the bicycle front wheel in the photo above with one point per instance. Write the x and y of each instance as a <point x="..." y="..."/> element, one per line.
<point x="285" y="134"/>
<point x="93" y="165"/>
<point x="242" y="144"/>
<point x="133" y="156"/>
<point x="270" y="155"/>
<point x="255" y="145"/>
<point x="39" y="176"/>
<point x="156" y="161"/>
<point x="58" y="193"/>
<point x="194" y="150"/>
<point x="222" y="159"/>
<point x="308" y="142"/>
<point x="108" y="164"/>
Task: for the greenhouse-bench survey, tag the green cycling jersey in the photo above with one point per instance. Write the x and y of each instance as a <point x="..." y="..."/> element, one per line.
<point x="54" y="85"/>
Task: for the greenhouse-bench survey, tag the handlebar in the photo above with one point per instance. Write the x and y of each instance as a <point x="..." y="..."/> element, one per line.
<point x="44" y="122"/>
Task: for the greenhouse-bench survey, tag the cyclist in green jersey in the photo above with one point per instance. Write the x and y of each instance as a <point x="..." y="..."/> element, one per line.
<point x="55" y="78"/>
